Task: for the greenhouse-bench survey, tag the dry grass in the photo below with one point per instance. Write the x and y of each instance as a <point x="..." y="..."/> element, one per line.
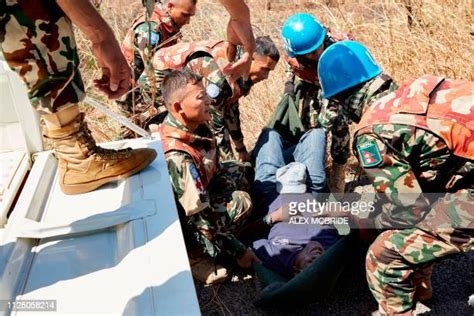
<point x="439" y="42"/>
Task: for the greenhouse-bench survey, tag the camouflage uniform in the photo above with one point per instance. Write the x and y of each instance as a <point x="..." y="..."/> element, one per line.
<point x="144" y="38"/>
<point x="225" y="112"/>
<point x="209" y="60"/>
<point x="211" y="193"/>
<point x="416" y="139"/>
<point x="316" y="112"/>
<point x="37" y="41"/>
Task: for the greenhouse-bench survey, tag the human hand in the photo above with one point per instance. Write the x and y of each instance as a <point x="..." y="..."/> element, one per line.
<point x="116" y="73"/>
<point x="277" y="216"/>
<point x="240" y="68"/>
<point x="273" y="218"/>
<point x="247" y="259"/>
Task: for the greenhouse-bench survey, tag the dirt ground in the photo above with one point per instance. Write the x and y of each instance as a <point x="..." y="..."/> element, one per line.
<point x="452" y="281"/>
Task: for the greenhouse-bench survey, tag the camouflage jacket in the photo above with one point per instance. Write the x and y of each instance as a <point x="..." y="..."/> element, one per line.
<point x="202" y="149"/>
<point x="179" y="55"/>
<point x="225" y="112"/>
<point x="414" y="140"/>
<point x="200" y="202"/>
<point x="143" y="38"/>
<point x="316" y="112"/>
<point x="208" y="59"/>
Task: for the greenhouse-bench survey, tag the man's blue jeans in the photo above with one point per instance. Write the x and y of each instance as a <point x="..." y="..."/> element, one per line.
<point x="271" y="154"/>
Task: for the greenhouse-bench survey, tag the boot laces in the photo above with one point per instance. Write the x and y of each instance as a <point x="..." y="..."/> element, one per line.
<point x="85" y="135"/>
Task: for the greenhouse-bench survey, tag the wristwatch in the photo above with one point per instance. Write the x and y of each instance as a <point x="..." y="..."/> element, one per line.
<point x="267" y="219"/>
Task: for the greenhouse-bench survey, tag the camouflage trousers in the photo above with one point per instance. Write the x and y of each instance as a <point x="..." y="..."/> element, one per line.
<point x="37" y="41"/>
<point x="311" y="108"/>
<point x="398" y="258"/>
<point x="221" y="133"/>
<point x="231" y="205"/>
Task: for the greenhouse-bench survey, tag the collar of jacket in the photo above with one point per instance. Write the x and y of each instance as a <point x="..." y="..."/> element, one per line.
<point x="373" y="89"/>
<point x="201" y="137"/>
<point x="166" y="21"/>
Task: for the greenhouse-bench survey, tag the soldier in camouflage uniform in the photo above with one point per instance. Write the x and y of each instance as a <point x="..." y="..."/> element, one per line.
<point x="303" y="49"/>
<point x="37" y="41"/>
<point x="211" y="193"/>
<point x="411" y="141"/>
<point x="211" y="60"/>
<point x="145" y="37"/>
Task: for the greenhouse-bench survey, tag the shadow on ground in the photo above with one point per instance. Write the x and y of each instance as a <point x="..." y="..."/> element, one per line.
<point x="453" y="282"/>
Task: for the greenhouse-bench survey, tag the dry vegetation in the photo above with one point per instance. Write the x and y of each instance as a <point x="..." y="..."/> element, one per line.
<point x="439" y="41"/>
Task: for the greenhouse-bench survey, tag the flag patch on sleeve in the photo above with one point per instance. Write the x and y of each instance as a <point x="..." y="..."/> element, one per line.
<point x="196" y="178"/>
<point x="369" y="154"/>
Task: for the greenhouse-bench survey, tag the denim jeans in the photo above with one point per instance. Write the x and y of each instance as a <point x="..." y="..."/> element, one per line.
<point x="271" y="153"/>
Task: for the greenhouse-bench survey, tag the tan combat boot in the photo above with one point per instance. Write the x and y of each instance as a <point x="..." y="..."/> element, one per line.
<point x="83" y="166"/>
<point x="337" y="179"/>
<point x="207" y="272"/>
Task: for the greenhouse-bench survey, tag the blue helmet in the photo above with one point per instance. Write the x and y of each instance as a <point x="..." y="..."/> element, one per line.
<point x="344" y="65"/>
<point x="302" y="34"/>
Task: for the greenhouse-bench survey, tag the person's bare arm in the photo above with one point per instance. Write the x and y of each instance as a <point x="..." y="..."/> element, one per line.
<point x="239" y="32"/>
<point x="115" y="70"/>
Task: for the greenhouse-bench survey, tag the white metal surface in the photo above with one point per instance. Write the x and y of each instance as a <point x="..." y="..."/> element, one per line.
<point x="138" y="267"/>
<point x="13" y="168"/>
<point x="20" y="136"/>
<point x="15" y="107"/>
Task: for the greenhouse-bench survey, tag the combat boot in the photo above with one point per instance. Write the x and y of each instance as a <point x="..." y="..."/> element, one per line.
<point x="337" y="179"/>
<point x="207" y="272"/>
<point x="83" y="166"/>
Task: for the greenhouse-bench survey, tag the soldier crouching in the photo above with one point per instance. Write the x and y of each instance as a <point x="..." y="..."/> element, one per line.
<point x="212" y="194"/>
<point x="415" y="142"/>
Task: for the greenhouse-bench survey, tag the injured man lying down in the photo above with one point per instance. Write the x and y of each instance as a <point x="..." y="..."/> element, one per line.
<point x="291" y="247"/>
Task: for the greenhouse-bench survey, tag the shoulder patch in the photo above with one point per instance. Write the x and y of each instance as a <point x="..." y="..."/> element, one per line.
<point x="196" y="178"/>
<point x="155" y="38"/>
<point x="143" y="31"/>
<point x="369" y="154"/>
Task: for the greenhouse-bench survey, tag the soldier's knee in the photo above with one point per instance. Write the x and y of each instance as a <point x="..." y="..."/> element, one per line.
<point x="271" y="134"/>
<point x="380" y="252"/>
<point x="314" y="140"/>
<point x="315" y="135"/>
<point x="268" y="136"/>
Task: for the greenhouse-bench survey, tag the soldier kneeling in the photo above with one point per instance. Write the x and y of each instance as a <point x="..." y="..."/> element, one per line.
<point x="416" y="144"/>
<point x="212" y="194"/>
